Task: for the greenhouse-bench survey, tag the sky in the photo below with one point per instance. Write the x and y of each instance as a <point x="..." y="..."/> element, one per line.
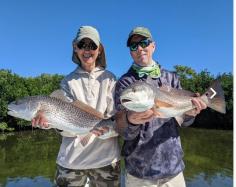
<point x="36" y="35"/>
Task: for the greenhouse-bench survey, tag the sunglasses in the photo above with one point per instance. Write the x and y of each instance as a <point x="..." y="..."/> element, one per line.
<point x="87" y="46"/>
<point x="142" y="43"/>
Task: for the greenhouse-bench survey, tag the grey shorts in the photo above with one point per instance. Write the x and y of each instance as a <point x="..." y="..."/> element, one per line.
<point x="108" y="176"/>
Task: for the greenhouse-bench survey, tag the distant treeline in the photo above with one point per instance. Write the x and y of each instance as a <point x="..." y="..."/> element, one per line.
<point x="13" y="86"/>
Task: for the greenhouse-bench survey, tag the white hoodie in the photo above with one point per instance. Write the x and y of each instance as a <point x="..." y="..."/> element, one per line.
<point x="97" y="90"/>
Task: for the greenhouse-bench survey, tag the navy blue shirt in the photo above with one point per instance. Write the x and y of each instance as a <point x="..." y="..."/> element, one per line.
<point x="151" y="150"/>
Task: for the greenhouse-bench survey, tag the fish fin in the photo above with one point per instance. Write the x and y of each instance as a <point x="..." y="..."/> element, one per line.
<point x="109" y="134"/>
<point x="87" y="139"/>
<point x="165" y="88"/>
<point x="88" y="109"/>
<point x="60" y="94"/>
<point x="156" y="113"/>
<point x="176" y="92"/>
<point x="159" y="104"/>
<point x="67" y="134"/>
<point x="215" y="97"/>
<point x="76" y="142"/>
<point x="179" y="119"/>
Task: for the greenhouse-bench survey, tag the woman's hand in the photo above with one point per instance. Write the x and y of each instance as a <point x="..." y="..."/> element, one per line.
<point x="100" y="131"/>
<point x="39" y="120"/>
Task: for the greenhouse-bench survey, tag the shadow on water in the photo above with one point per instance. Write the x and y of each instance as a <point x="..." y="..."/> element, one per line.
<point x="27" y="159"/>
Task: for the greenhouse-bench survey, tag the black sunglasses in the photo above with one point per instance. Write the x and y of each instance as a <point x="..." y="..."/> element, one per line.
<point x="87" y="46"/>
<point x="142" y="43"/>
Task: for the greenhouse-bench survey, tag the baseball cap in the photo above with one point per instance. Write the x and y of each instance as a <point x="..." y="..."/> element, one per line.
<point x="88" y="32"/>
<point x="139" y="31"/>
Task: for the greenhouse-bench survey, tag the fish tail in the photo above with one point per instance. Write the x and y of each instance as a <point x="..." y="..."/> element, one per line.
<point x="214" y="97"/>
<point x="86" y="140"/>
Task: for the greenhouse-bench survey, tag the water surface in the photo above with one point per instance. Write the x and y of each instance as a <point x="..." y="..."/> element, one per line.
<point x="27" y="159"/>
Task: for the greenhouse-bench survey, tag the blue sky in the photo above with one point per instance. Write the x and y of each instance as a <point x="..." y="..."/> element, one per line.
<point x="36" y="35"/>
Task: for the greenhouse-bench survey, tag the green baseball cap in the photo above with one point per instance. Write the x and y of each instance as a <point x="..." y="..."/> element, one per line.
<point x="139" y="31"/>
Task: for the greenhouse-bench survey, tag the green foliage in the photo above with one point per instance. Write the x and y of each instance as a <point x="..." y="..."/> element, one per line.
<point x="227" y="84"/>
<point x="43" y="85"/>
<point x="4" y="127"/>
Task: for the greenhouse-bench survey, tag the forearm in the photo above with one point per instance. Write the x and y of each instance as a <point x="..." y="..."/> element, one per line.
<point x="126" y="129"/>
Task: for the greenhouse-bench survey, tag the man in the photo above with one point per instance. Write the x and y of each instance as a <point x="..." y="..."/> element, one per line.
<point x="153" y="156"/>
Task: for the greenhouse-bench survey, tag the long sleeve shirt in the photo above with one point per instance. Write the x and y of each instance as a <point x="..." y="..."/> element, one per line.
<point x="97" y="90"/>
<point x="152" y="150"/>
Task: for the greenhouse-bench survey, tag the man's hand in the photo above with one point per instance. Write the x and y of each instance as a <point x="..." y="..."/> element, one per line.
<point x="200" y="105"/>
<point x="138" y="118"/>
<point x="39" y="120"/>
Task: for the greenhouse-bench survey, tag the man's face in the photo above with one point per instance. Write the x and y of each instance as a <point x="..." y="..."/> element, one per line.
<point x="142" y="56"/>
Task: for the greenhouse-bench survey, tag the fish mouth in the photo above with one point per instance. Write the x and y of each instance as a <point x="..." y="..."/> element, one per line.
<point x="129" y="97"/>
<point x="11" y="108"/>
<point x="13" y="113"/>
<point x="126" y="100"/>
<point x="136" y="105"/>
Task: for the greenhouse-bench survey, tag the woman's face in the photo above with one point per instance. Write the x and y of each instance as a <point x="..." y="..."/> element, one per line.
<point x="87" y="52"/>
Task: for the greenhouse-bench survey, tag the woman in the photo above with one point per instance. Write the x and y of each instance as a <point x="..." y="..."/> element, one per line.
<point x="93" y="85"/>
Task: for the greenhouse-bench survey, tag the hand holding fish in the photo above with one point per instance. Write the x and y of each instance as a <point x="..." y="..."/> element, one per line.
<point x="138" y="118"/>
<point x="199" y="104"/>
<point x="100" y="131"/>
<point x="39" y="120"/>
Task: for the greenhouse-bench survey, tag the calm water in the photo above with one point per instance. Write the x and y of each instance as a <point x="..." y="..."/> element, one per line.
<point x="27" y="159"/>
